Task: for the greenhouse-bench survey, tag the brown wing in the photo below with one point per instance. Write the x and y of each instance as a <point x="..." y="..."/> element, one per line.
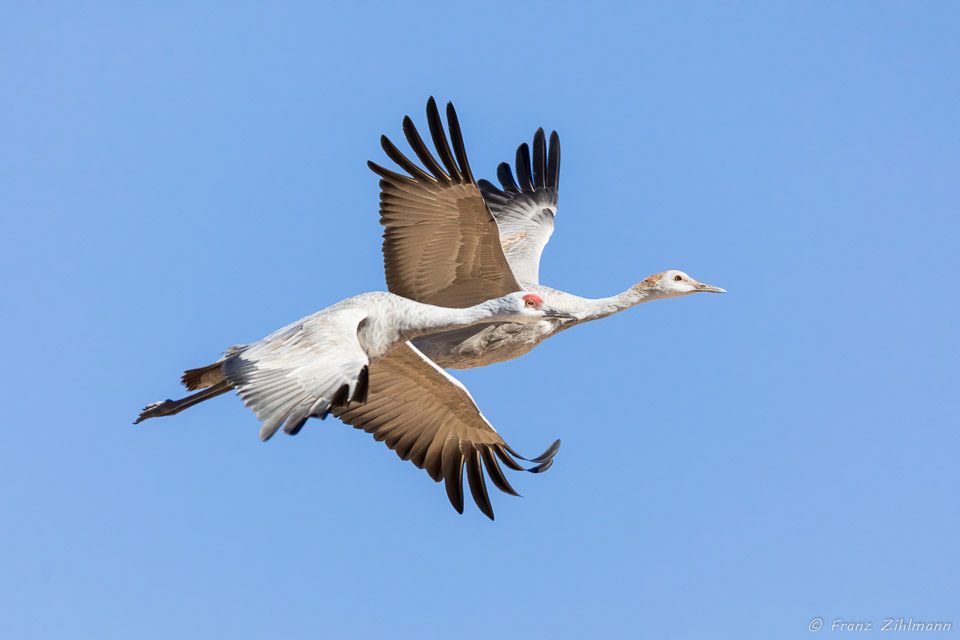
<point x="430" y="419"/>
<point x="441" y="244"/>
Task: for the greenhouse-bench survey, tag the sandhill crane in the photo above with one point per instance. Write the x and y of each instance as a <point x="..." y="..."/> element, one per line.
<point x="452" y="241"/>
<point x="354" y="360"/>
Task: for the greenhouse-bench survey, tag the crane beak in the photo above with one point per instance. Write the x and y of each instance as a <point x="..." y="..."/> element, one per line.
<point x="553" y="312"/>
<point x="706" y="287"/>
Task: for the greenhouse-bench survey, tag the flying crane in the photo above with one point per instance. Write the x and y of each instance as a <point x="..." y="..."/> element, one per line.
<point x="453" y="241"/>
<point x="354" y="360"/>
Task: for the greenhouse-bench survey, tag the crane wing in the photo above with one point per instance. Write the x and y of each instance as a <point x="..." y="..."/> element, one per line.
<point x="301" y="370"/>
<point x="524" y="208"/>
<point x="429" y="418"/>
<point x="441" y="244"/>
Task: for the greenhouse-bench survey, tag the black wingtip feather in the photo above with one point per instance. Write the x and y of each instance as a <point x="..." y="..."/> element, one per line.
<point x="505" y="176"/>
<point x="295" y="427"/>
<point x="454" y="487"/>
<point x="543" y="457"/>
<point x="418" y="146"/>
<point x="478" y="488"/>
<point x="389" y="176"/>
<point x="440" y="140"/>
<point x="553" y="162"/>
<point x="507" y="460"/>
<point x="453" y="473"/>
<point x="487" y="187"/>
<point x="539" y="160"/>
<point x="549" y="453"/>
<point x="405" y="163"/>
<point x="362" y="386"/>
<point x="496" y="473"/>
<point x="523" y="167"/>
<point x="456" y="136"/>
<point x="540" y="468"/>
<point x="341" y="396"/>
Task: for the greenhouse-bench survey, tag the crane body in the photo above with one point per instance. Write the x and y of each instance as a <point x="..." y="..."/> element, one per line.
<point x="450" y="239"/>
<point x="355" y="360"/>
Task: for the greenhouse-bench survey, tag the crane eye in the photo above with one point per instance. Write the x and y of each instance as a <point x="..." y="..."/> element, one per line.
<point x="530" y="303"/>
<point x="677" y="278"/>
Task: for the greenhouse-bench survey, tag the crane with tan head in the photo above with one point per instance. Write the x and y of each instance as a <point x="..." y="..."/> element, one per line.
<point x="453" y="241"/>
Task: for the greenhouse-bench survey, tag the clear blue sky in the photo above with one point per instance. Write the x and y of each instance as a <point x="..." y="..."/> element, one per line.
<point x="178" y="179"/>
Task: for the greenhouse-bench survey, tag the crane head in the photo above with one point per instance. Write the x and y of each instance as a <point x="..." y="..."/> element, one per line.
<point x="673" y="283"/>
<point x="527" y="307"/>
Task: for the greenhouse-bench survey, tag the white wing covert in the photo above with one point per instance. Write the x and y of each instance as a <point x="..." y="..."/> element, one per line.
<point x="525" y="208"/>
<point x="304" y="369"/>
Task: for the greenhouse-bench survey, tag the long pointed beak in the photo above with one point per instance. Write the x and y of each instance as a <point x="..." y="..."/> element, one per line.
<point x="706" y="287"/>
<point x="553" y="312"/>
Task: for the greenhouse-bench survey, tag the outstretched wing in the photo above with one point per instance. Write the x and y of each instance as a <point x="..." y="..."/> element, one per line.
<point x="441" y="244"/>
<point x="524" y="208"/>
<point x="304" y="369"/>
<point x="429" y="418"/>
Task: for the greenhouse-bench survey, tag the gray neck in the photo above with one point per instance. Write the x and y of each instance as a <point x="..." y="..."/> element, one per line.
<point x="429" y="319"/>
<point x="603" y="307"/>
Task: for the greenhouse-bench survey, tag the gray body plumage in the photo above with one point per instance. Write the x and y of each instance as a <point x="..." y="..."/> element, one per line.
<point x="489" y="343"/>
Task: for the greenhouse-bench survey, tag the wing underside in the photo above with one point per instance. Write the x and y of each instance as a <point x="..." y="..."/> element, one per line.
<point x="441" y="244"/>
<point x="525" y="207"/>
<point x="427" y="417"/>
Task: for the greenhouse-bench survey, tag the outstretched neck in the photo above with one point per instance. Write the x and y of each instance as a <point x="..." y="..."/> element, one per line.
<point x="436" y="319"/>
<point x="603" y="307"/>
